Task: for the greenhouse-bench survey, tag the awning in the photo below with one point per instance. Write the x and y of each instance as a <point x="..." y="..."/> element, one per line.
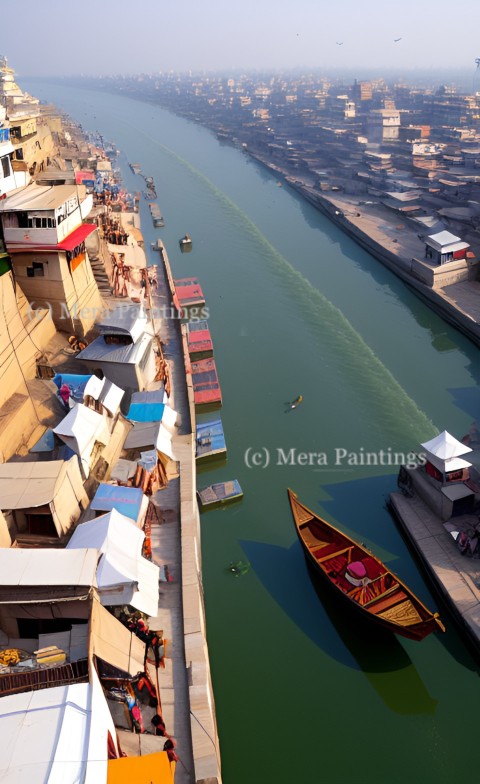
<point x="147" y="769"/>
<point x="77" y="237"/>
<point x="114" y="643"/>
<point x="127" y="501"/>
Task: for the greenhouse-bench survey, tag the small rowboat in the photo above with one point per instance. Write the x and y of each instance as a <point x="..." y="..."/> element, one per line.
<point x="219" y="494"/>
<point x="361" y="578"/>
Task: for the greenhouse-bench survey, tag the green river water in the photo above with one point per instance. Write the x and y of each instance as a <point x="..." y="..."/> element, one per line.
<point x="303" y="693"/>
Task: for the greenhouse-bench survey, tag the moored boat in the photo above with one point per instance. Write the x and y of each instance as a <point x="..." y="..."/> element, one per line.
<point x="210" y="441"/>
<point x="186" y="243"/>
<point x="361" y="578"/>
<point x="219" y="493"/>
<point x="157" y="216"/>
<point x="200" y="345"/>
<point x="189" y="292"/>
<point x="206" y="386"/>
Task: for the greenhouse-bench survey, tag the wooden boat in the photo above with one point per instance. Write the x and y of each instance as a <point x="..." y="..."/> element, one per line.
<point x="200" y="345"/>
<point x="210" y="441"/>
<point x="206" y="386"/>
<point x="361" y="578"/>
<point x="157" y="216"/>
<point x="219" y="494"/>
<point x="189" y="292"/>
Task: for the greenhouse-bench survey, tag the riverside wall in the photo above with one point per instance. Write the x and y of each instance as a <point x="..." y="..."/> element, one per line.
<point x="205" y="741"/>
<point x="403" y="266"/>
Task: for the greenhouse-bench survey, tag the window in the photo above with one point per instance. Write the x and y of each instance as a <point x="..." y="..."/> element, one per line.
<point x="6" y="166"/>
<point x="37" y="270"/>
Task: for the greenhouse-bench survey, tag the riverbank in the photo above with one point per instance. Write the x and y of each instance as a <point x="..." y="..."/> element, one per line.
<point x="457" y="576"/>
<point x="191" y="623"/>
<point x="394" y="245"/>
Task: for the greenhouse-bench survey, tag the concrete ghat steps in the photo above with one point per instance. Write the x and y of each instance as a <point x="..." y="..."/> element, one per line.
<point x="456" y="575"/>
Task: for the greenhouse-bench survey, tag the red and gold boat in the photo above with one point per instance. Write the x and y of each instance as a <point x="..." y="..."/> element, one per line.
<point x="361" y="578"/>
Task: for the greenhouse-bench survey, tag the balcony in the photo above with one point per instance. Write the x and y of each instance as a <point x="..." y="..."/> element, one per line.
<point x="35" y="236"/>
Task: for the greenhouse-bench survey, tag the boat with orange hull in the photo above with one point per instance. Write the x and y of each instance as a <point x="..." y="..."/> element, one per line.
<point x="361" y="578"/>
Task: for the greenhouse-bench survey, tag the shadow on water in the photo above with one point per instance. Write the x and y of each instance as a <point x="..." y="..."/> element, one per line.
<point x="378" y="529"/>
<point x="444" y="338"/>
<point x="338" y="632"/>
<point x="468" y="399"/>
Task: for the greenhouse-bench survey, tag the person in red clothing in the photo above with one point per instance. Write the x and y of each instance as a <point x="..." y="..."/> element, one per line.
<point x="64" y="394"/>
<point x="159" y="725"/>
<point x="169" y="748"/>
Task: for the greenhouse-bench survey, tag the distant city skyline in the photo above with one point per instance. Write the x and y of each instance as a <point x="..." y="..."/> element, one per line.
<point x="105" y="38"/>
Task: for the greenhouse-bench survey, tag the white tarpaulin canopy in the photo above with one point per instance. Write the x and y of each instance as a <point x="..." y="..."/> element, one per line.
<point x="35" y="483"/>
<point x="106" y="392"/>
<point x="445" y="446"/>
<point x="164" y="442"/>
<point x="57" y="483"/>
<point x="48" y="566"/>
<point x="55" y="735"/>
<point x="157" y="434"/>
<point x="80" y="429"/>
<point x="124" y="576"/>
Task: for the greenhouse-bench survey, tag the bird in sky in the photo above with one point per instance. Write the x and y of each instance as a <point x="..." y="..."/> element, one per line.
<point x="339" y="43"/>
<point x="396" y="40"/>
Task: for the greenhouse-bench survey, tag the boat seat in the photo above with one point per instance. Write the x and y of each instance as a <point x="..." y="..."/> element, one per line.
<point x="324" y="550"/>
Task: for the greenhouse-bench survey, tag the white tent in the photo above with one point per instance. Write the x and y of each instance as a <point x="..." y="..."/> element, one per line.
<point x="80" y="429"/>
<point x="445" y="446"/>
<point x="56" y="735"/>
<point x="444" y="452"/>
<point x="106" y="392"/>
<point x="124" y="576"/>
<point x="47" y="566"/>
<point x="56" y="483"/>
<point x="159" y="434"/>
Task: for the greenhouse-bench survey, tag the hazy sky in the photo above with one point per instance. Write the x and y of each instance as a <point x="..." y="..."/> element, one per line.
<point x="124" y="36"/>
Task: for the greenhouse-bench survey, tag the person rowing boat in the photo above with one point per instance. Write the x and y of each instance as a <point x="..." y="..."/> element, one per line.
<point x="295" y="403"/>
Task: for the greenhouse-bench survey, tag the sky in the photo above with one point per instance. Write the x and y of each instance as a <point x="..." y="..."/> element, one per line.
<point x="100" y="37"/>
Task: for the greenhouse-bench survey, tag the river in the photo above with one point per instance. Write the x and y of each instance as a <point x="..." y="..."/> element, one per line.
<point x="297" y="308"/>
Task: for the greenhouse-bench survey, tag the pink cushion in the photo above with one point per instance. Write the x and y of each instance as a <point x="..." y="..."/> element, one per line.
<point x="357" y="569"/>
